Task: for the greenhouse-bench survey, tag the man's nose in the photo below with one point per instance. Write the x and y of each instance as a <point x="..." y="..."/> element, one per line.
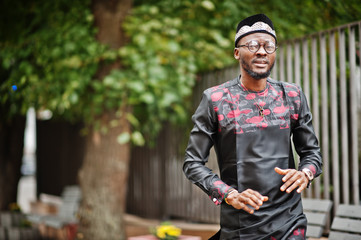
<point x="261" y="50"/>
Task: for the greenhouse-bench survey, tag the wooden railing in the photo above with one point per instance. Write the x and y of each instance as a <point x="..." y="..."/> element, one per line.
<point x="327" y="66"/>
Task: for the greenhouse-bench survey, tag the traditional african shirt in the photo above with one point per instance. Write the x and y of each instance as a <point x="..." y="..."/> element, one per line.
<point x="249" y="145"/>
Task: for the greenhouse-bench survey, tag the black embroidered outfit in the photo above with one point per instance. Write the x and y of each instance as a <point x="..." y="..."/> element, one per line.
<point x="249" y="144"/>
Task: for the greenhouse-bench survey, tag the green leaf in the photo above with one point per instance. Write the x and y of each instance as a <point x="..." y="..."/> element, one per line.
<point x="109" y="80"/>
<point x="147" y="98"/>
<point x="208" y="5"/>
<point x="138" y="139"/>
<point x="123" y="138"/>
<point x="133" y="120"/>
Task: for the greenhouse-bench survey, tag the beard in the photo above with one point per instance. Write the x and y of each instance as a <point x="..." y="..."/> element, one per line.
<point x="256" y="75"/>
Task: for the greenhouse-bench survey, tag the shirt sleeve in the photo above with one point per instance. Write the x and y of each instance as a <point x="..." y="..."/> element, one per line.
<point x="200" y="142"/>
<point x="305" y="140"/>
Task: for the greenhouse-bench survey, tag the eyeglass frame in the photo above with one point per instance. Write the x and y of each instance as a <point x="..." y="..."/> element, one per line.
<point x="259" y="46"/>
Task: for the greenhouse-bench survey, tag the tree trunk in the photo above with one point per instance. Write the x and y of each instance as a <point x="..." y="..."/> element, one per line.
<point x="103" y="180"/>
<point x="104" y="174"/>
<point x="11" y="153"/>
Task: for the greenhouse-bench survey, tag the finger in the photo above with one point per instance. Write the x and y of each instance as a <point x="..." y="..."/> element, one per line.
<point x="293" y="186"/>
<point x="242" y="206"/>
<point x="288" y="181"/>
<point x="238" y="205"/>
<point x="280" y="171"/>
<point x="262" y="198"/>
<point x="302" y="187"/>
<point x="254" y="202"/>
<point x="306" y="182"/>
<point x="290" y="174"/>
<point x="295" y="181"/>
<point x="247" y="209"/>
<point x="255" y="196"/>
<point x="248" y="200"/>
<point x="251" y="200"/>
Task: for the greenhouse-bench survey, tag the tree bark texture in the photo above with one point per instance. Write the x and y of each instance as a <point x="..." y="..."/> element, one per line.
<point x="104" y="174"/>
<point x="103" y="179"/>
<point x="11" y="153"/>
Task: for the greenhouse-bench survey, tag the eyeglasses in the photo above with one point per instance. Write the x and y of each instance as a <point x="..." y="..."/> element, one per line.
<point x="254" y="46"/>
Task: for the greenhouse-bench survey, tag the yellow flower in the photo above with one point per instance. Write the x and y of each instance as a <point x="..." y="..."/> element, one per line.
<point x="167" y="230"/>
<point x="174" y="232"/>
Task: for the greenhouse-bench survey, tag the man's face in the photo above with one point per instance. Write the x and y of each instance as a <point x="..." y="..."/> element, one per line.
<point x="259" y="64"/>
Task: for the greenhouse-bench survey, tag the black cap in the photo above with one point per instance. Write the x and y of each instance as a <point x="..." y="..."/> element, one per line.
<point x="253" y="24"/>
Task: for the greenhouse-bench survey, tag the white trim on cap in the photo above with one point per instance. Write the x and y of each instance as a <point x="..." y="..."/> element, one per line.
<point x="258" y="26"/>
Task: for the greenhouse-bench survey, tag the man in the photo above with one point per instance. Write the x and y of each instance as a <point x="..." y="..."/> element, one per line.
<point x="250" y="121"/>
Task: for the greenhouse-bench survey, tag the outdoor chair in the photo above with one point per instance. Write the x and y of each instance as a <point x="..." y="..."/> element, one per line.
<point x="347" y="223"/>
<point x="317" y="212"/>
<point x="65" y="217"/>
<point x="68" y="209"/>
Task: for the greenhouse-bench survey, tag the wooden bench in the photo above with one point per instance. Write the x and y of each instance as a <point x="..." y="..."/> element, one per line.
<point x="347" y="223"/>
<point x="317" y="212"/>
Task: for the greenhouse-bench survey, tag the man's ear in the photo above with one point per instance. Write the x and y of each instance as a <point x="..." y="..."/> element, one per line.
<point x="236" y="53"/>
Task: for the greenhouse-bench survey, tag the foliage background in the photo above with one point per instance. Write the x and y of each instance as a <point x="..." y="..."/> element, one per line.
<point x="49" y="51"/>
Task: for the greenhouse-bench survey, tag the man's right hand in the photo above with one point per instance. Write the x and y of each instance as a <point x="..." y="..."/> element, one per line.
<point x="246" y="199"/>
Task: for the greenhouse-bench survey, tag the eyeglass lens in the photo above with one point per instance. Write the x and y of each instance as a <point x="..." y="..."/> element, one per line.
<point x="254" y="46"/>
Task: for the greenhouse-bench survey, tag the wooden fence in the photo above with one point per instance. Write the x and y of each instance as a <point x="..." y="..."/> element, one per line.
<point x="327" y="66"/>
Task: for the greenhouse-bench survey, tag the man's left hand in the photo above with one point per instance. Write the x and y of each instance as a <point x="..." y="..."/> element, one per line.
<point x="292" y="179"/>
